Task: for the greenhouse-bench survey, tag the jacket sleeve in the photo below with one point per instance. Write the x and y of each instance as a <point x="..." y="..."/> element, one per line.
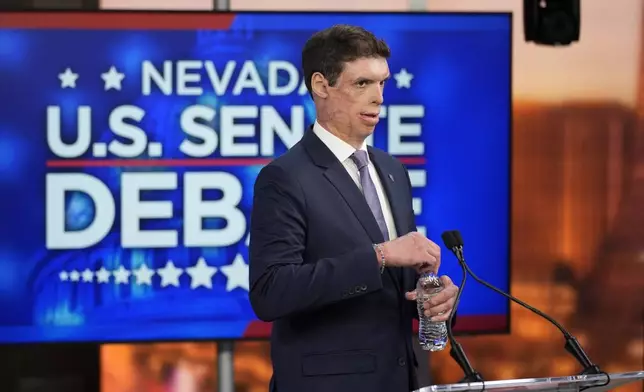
<point x="282" y="282"/>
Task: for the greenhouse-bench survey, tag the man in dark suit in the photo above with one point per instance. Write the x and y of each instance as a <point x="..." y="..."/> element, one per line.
<point x="334" y="251"/>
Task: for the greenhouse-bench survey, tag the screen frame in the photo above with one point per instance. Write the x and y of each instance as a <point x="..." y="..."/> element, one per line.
<point x="202" y="19"/>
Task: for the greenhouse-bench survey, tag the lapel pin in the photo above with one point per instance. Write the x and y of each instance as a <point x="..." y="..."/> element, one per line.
<point x="391" y="178"/>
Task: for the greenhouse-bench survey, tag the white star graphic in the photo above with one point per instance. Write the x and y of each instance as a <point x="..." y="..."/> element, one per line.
<point x="102" y="275"/>
<point x="201" y="274"/>
<point x="88" y="275"/>
<point x="237" y="274"/>
<point x="247" y="242"/>
<point x="63" y="275"/>
<point x="143" y="275"/>
<point x="403" y="79"/>
<point x="74" y="276"/>
<point x="170" y="274"/>
<point x="121" y="275"/>
<point x="112" y="78"/>
<point x="68" y="78"/>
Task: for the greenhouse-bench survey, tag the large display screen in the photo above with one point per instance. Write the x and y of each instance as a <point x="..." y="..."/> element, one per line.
<point x="130" y="142"/>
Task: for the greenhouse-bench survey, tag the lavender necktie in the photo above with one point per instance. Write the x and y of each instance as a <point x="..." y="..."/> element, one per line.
<point x="369" y="190"/>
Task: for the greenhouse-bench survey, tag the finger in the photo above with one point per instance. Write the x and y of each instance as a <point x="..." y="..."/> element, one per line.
<point x="426" y="267"/>
<point x="440" y="309"/>
<point x="437" y="316"/>
<point x="432" y="245"/>
<point x="433" y="259"/>
<point x="440" y="298"/>
<point x="437" y="300"/>
<point x="435" y="253"/>
<point x="431" y="255"/>
<point x="450" y="288"/>
<point x="447" y="282"/>
<point x="435" y="246"/>
<point x="411" y="295"/>
<point x="440" y="317"/>
<point x="428" y="257"/>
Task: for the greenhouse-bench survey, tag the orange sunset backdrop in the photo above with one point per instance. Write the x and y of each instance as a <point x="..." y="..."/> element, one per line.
<point x="578" y="236"/>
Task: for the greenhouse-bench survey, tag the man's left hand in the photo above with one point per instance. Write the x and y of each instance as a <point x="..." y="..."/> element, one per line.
<point x="440" y="305"/>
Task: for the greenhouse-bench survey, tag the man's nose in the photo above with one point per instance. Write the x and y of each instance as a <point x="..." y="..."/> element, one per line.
<point x="378" y="97"/>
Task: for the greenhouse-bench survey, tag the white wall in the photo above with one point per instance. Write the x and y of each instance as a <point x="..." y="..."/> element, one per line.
<point x="610" y="41"/>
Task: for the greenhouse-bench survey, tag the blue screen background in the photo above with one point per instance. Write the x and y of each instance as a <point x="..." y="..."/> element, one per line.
<point x="461" y="67"/>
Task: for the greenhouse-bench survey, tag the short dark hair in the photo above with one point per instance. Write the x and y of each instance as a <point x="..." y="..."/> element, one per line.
<point x="328" y="50"/>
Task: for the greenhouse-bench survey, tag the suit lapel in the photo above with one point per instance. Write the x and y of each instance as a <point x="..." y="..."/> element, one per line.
<point x="337" y="174"/>
<point x="342" y="181"/>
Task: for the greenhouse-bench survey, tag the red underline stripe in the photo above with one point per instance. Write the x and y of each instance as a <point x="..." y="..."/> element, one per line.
<point x="413" y="160"/>
<point x="117" y="20"/>
<point x="68" y="163"/>
<point x="158" y="162"/>
<point x="464" y="324"/>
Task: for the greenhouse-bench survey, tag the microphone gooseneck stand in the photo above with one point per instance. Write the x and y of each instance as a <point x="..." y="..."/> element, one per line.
<point x="454" y="242"/>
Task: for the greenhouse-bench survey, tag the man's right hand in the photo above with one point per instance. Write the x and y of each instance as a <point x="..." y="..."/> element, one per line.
<point x="413" y="250"/>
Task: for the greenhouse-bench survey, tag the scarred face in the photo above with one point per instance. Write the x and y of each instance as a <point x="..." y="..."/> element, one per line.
<point x="351" y="107"/>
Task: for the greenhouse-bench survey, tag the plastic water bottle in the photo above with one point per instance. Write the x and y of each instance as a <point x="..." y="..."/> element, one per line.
<point x="432" y="335"/>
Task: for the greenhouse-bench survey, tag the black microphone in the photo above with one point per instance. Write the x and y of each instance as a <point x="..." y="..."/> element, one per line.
<point x="456" y="351"/>
<point x="454" y="242"/>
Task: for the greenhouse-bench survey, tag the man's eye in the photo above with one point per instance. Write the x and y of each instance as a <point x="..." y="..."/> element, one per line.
<point x="361" y="83"/>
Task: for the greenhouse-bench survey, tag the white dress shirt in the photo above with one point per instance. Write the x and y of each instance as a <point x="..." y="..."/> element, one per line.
<point x="343" y="151"/>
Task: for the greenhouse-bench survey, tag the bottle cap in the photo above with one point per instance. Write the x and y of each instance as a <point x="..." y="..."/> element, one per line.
<point x="429" y="279"/>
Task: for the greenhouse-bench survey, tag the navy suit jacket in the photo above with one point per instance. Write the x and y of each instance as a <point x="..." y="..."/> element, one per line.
<point x="338" y="323"/>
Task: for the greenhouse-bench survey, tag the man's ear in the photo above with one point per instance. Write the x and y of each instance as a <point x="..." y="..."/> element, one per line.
<point x="319" y="85"/>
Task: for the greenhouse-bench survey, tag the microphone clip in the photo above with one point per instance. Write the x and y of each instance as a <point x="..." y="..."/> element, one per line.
<point x="458" y="252"/>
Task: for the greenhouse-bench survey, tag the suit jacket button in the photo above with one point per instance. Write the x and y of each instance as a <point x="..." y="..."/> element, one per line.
<point x="344" y="294"/>
<point x="358" y="289"/>
<point x="363" y="287"/>
<point x="351" y="292"/>
<point x="401" y="361"/>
